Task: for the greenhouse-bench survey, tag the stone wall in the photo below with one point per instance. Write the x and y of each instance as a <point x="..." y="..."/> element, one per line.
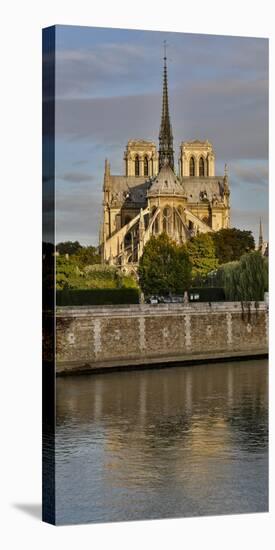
<point x="92" y="338"/>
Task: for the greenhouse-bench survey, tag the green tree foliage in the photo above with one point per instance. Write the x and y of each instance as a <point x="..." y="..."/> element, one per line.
<point x="67" y="273"/>
<point x="201" y="251"/>
<point x="71" y="275"/>
<point x="84" y="255"/>
<point x="87" y="255"/>
<point x="227" y="276"/>
<point x="68" y="247"/>
<point x="245" y="280"/>
<point x="164" y="267"/>
<point x="231" y="244"/>
<point x="253" y="276"/>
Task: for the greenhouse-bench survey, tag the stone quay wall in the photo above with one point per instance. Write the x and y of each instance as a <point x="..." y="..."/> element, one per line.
<point x="95" y="338"/>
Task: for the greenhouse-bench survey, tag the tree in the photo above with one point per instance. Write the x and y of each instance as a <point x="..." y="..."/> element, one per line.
<point x="231" y="244"/>
<point x="67" y="273"/>
<point x="227" y="277"/>
<point x="201" y="251"/>
<point x="253" y="277"/>
<point x="87" y="255"/>
<point x="68" y="247"/>
<point x="164" y="267"/>
<point x="245" y="280"/>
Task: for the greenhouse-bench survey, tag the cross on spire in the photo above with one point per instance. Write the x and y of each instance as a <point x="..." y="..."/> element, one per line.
<point x="165" y="133"/>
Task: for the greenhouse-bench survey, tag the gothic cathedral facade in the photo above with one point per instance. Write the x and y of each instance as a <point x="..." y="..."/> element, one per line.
<point x="151" y="198"/>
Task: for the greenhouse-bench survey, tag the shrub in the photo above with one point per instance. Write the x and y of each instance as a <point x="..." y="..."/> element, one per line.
<point x="70" y="275"/>
<point x="99" y="296"/>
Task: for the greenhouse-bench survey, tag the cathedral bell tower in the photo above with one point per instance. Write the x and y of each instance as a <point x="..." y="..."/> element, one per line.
<point x="165" y="133"/>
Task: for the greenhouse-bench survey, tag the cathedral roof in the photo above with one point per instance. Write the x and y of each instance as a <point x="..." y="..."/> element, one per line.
<point x="133" y="190"/>
<point x="209" y="187"/>
<point x="166" y="183"/>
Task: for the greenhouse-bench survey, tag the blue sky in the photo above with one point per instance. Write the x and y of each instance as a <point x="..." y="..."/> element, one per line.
<point x="108" y="90"/>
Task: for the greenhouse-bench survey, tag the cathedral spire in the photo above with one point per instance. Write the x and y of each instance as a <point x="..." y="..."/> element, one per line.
<point x="165" y="133"/>
<point x="260" y="244"/>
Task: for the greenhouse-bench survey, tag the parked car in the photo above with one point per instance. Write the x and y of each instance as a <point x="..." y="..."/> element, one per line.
<point x="167" y="299"/>
<point x="177" y="299"/>
<point x="153" y="300"/>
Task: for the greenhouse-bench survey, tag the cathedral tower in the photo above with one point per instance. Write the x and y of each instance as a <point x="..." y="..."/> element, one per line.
<point x="165" y="133"/>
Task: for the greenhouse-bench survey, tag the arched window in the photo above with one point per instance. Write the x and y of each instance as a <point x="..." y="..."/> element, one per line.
<point x="192" y="167"/>
<point x="128" y="240"/>
<point x="201" y="167"/>
<point x="167" y="220"/>
<point x="146" y="166"/>
<point x="137" y="166"/>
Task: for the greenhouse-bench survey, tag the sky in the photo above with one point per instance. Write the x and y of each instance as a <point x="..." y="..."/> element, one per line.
<point x="109" y="90"/>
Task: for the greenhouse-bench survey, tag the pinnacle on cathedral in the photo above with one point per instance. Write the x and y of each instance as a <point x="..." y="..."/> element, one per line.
<point x="165" y="133"/>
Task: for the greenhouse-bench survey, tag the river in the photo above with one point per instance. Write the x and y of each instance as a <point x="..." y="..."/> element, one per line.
<point x="174" y="442"/>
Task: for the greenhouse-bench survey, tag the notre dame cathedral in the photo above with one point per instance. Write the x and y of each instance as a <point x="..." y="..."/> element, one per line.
<point x="152" y="198"/>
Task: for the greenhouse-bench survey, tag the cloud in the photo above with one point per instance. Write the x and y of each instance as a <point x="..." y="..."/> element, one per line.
<point x="255" y="174"/>
<point x="78" y="212"/>
<point x="109" y="91"/>
<point x="76" y="177"/>
<point x="250" y="220"/>
<point x="132" y="60"/>
<point x="233" y="115"/>
<point x="79" y="162"/>
<point x="87" y="72"/>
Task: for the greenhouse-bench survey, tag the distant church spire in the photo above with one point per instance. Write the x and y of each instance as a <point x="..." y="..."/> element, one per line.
<point x="260" y="235"/>
<point x="165" y="133"/>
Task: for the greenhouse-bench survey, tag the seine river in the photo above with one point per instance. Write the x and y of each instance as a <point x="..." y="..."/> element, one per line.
<point x="181" y="441"/>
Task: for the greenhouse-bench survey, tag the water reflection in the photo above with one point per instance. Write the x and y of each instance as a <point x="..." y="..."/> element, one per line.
<point x="163" y="443"/>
